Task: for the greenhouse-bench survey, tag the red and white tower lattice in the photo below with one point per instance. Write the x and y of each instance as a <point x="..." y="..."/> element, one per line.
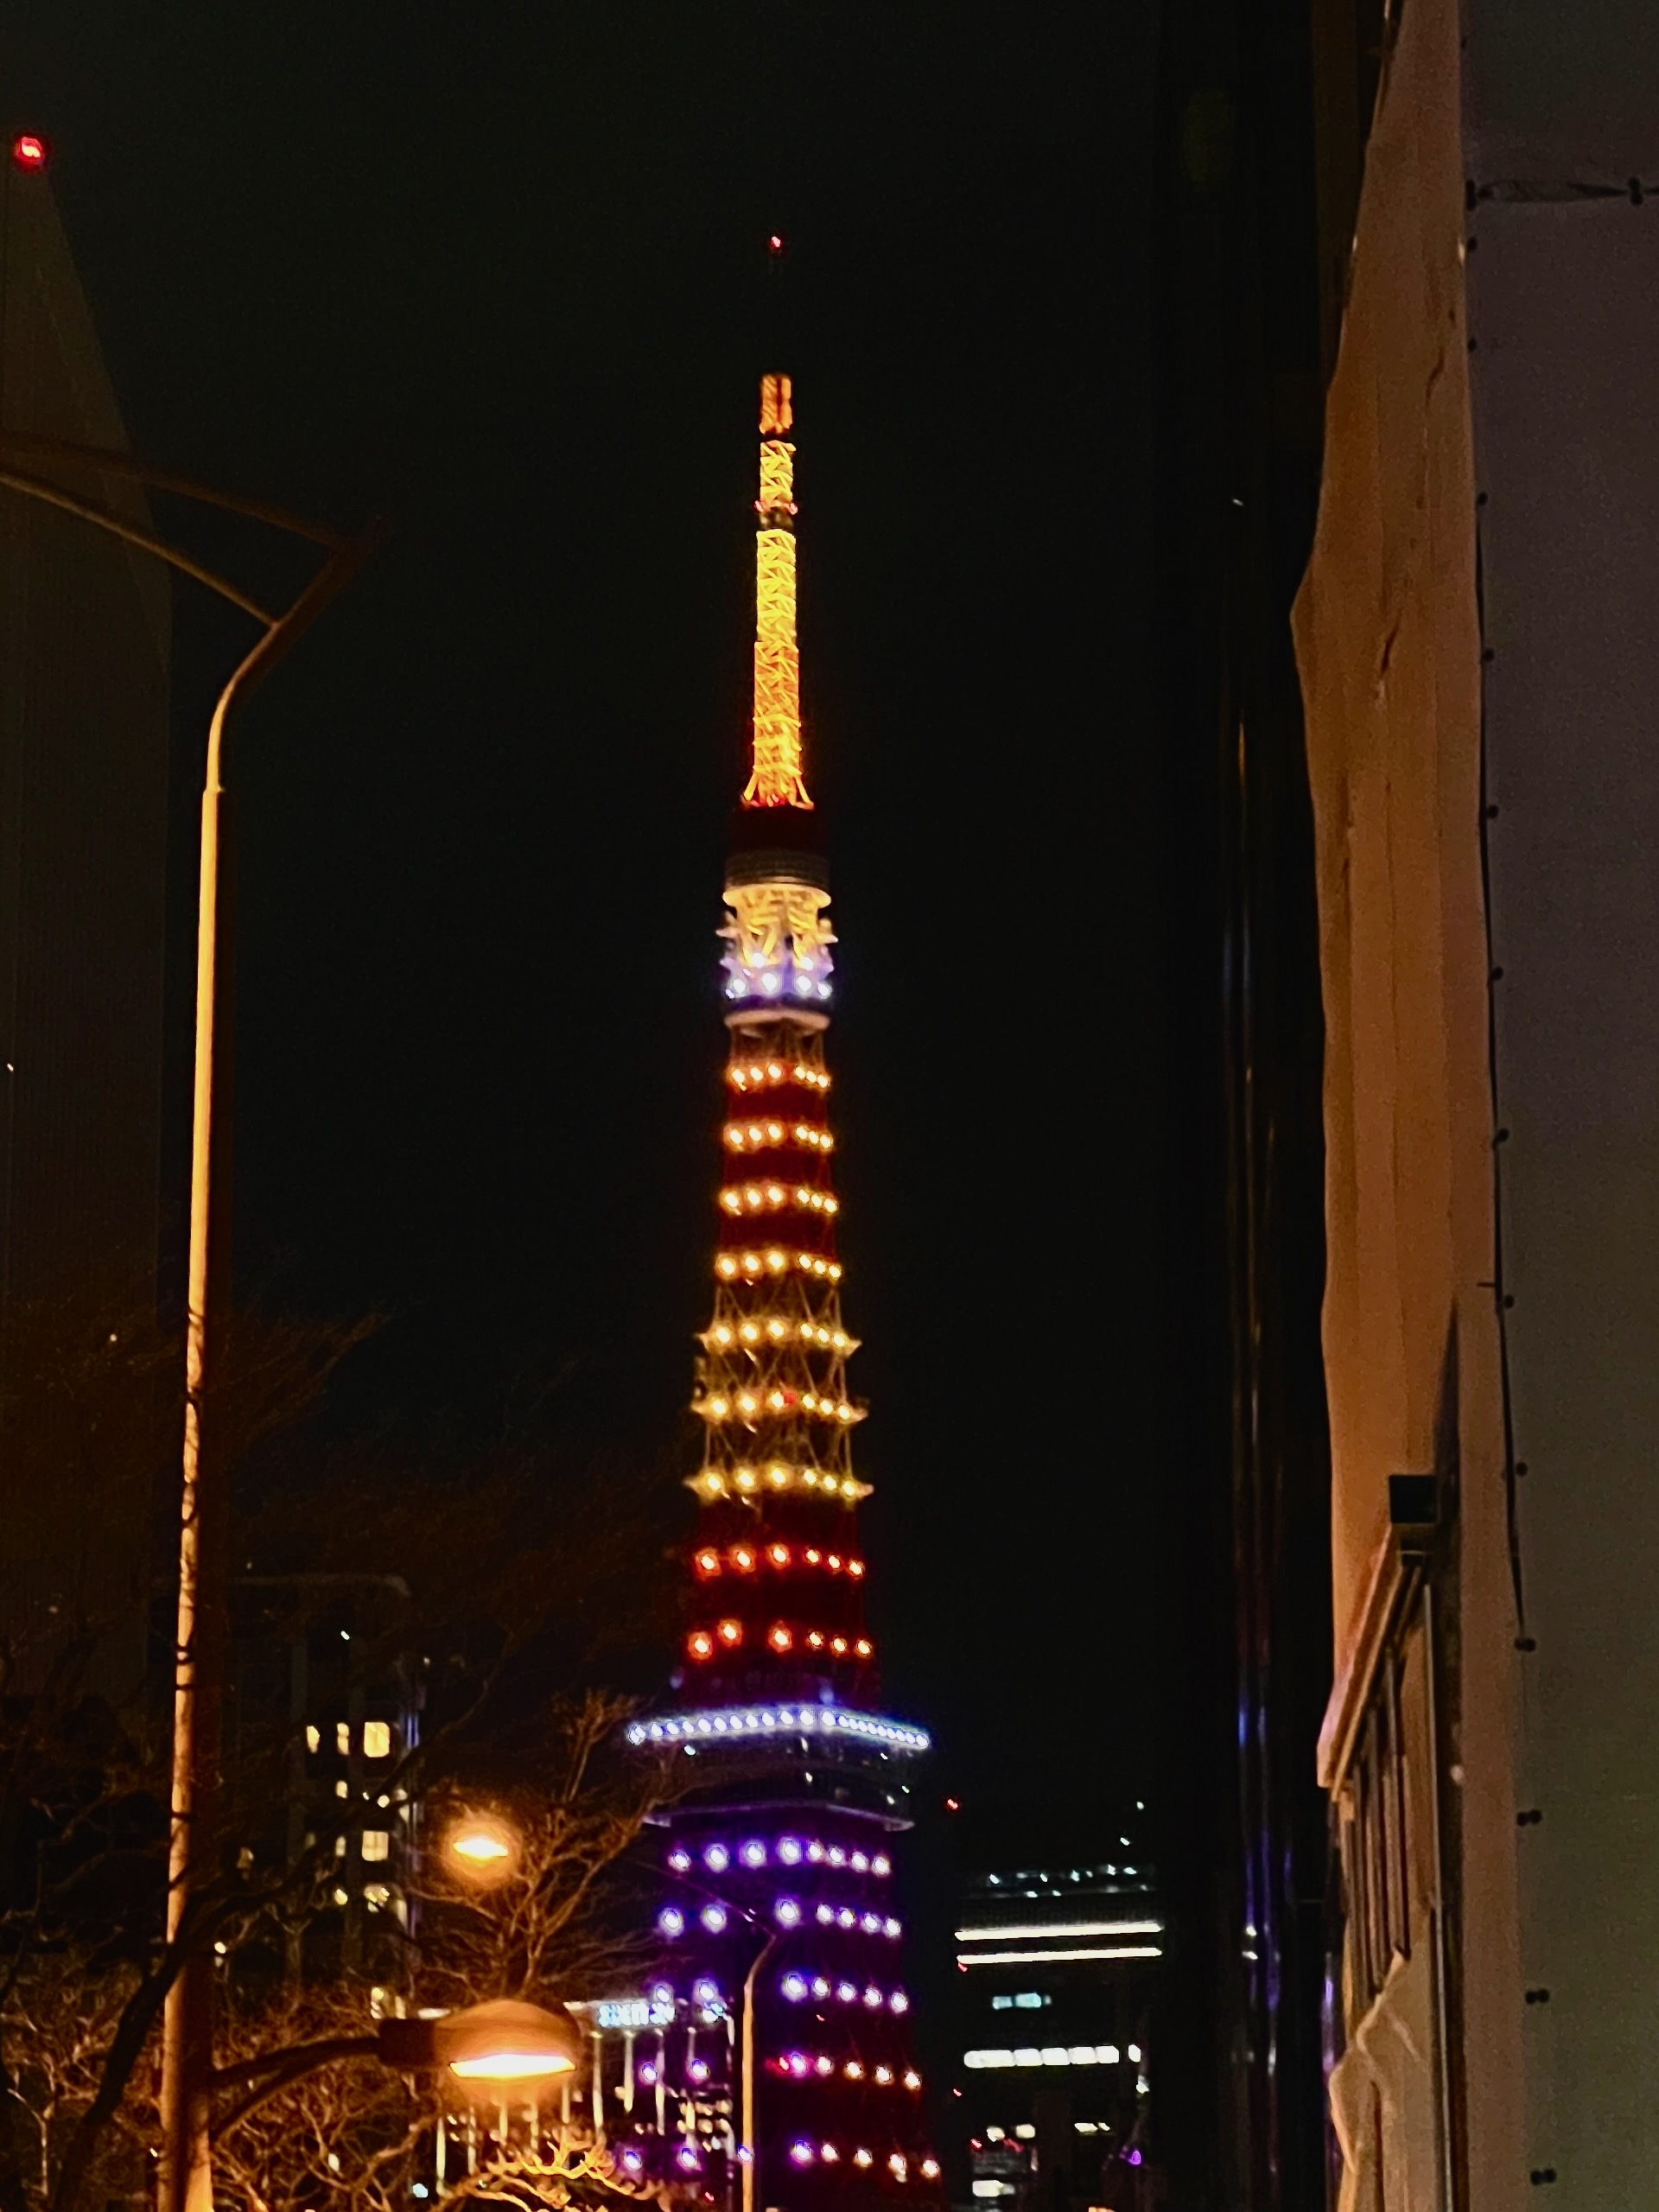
<point x="780" y="1869"/>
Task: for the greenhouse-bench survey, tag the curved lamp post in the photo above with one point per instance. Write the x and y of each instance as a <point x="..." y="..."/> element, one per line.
<point x="186" y="2179"/>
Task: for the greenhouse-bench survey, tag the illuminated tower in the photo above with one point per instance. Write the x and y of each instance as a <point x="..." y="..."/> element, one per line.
<point x="781" y="1864"/>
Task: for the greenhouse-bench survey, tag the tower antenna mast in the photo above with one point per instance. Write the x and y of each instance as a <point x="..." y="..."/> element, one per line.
<point x="776" y="779"/>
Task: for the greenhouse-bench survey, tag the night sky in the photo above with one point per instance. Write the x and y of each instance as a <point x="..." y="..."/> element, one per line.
<point x="499" y="272"/>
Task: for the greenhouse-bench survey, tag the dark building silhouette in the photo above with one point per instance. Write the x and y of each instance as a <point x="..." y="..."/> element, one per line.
<point x="83" y="673"/>
<point x="1264" y="105"/>
<point x="315" y="1732"/>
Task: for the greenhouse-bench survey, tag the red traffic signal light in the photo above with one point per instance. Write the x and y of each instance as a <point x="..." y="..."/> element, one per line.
<point x="29" y="151"/>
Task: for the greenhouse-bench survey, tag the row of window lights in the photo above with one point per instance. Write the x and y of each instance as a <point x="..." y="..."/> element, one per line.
<point x="1076" y="1874"/>
<point x="718" y="1482"/>
<point x="1078" y="2054"/>
<point x="376" y="1738"/>
<point x="722" y="1335"/>
<point x="375" y="1844"/>
<point x="1027" y="2134"/>
<point x="745" y="1558"/>
<point x="805" y="2153"/>
<point x="774" y="1260"/>
<point x="767" y="1198"/>
<point x="728" y="1636"/>
<point x="375" y="1896"/>
<point x="801" y="2068"/>
<point x="751" y="1405"/>
<point x="759" y="1075"/>
<point x="789" y="1850"/>
<point x="753" y="1136"/>
<point x="797" y="1987"/>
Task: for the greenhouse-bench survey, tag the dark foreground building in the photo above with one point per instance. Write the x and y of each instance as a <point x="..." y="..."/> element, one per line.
<point x="1478" y="657"/>
<point x="84" y="652"/>
<point x="1405" y="315"/>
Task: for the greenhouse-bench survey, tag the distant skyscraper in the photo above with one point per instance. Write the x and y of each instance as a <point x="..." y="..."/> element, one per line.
<point x="779" y="1871"/>
<point x="1056" y="1954"/>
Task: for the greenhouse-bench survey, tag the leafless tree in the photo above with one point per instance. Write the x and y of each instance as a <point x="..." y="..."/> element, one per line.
<point x="518" y="1571"/>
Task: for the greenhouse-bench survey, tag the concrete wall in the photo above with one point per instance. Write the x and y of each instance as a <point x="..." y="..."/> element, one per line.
<point x="1562" y="133"/>
<point x="1389" y="645"/>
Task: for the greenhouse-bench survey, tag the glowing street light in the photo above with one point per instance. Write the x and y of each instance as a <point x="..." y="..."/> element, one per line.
<point x="491" y="2045"/>
<point x="483" y="1848"/>
<point x="504" y="2041"/>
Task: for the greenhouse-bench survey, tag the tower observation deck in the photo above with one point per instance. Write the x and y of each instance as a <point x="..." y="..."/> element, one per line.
<point x="778" y="1869"/>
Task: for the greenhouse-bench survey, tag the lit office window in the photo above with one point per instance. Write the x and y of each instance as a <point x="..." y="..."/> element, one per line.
<point x="376" y="1844"/>
<point x="377" y="1740"/>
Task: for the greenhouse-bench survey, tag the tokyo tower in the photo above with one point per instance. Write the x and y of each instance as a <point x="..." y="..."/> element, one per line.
<point x="784" y="2060"/>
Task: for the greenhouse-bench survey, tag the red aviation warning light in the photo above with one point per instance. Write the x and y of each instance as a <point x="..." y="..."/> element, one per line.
<point x="29" y="151"/>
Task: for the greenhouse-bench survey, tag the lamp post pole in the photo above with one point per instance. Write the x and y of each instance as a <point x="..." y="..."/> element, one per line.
<point x="185" y="2175"/>
<point x="750" y="2152"/>
<point x="186" y="2039"/>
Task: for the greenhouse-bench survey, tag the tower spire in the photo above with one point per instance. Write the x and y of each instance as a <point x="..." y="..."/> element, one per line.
<point x="776" y="779"/>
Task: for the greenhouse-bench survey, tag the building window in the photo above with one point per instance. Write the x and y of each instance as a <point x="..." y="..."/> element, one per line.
<point x="377" y="1740"/>
<point x="376" y="1844"/>
<point x="1022" y="2000"/>
<point x="343" y="1737"/>
<point x="312" y="1738"/>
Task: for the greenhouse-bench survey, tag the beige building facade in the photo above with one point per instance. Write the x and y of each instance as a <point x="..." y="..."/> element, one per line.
<point x="1474" y="637"/>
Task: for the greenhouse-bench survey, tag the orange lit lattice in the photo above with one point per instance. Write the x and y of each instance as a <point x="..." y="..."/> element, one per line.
<point x="777" y="779"/>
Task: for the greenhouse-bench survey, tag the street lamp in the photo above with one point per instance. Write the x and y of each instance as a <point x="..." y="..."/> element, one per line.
<point x="482" y="1848"/>
<point x="749" y="2152"/>
<point x="502" y="2041"/>
<point x="489" y="2046"/>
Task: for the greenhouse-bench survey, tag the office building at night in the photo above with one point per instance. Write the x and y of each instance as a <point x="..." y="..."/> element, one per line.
<point x="311" y="1732"/>
<point x="1056" y="1966"/>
